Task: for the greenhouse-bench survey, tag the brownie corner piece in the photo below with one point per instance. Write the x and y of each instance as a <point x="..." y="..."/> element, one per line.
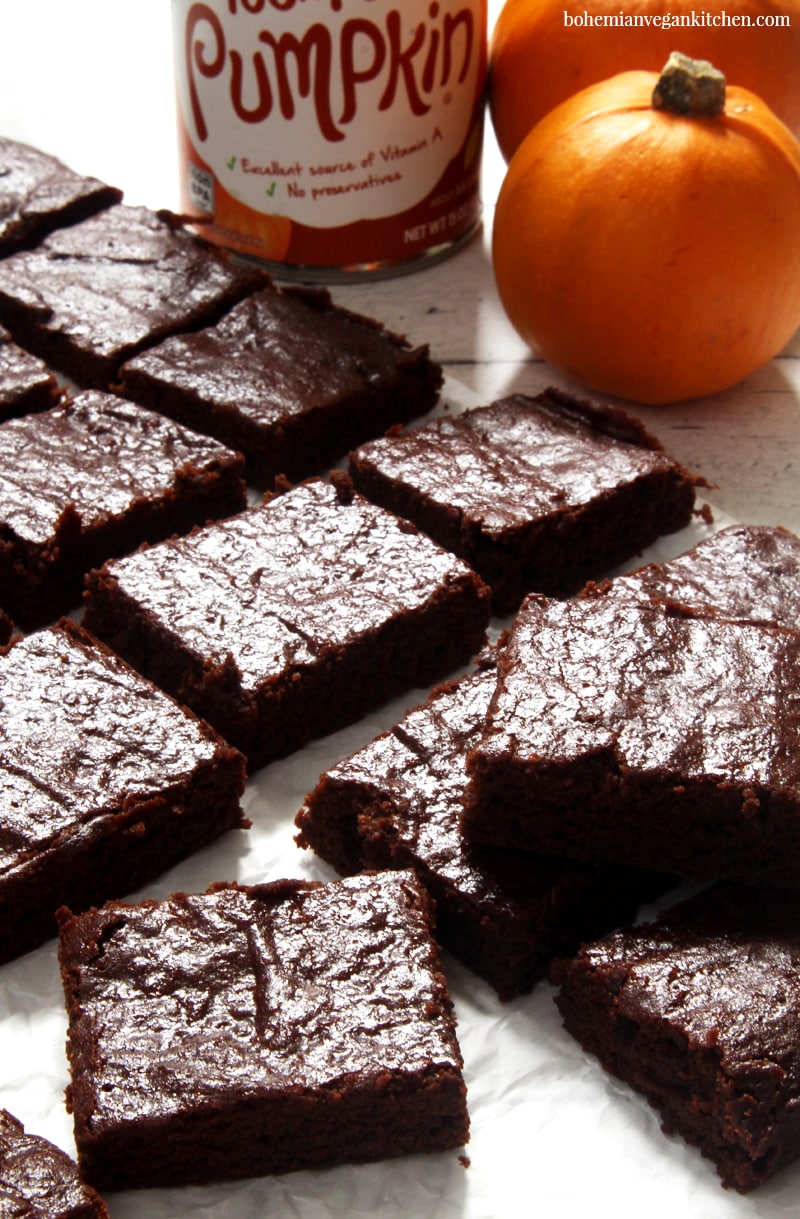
<point x="38" y="194"/>
<point x="289" y="378"/>
<point x="6" y="628"/>
<point x="698" y="1012"/>
<point x="106" y="782"/>
<point x="92" y="295"/>
<point x="536" y="493"/>
<point x="305" y="1007"/>
<point x="39" y="1180"/>
<point x="26" y="383"/>
<point x="94" y="477"/>
<point x="292" y="619"/>
<point x="747" y="572"/>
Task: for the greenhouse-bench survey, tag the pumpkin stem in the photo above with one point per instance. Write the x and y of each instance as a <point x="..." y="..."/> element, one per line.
<point x="689" y="86"/>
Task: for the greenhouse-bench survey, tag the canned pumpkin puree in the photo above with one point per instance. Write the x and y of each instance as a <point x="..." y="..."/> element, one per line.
<point x="331" y="139"/>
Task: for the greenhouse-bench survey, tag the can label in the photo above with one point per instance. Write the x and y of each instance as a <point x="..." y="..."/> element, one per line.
<point x="331" y="133"/>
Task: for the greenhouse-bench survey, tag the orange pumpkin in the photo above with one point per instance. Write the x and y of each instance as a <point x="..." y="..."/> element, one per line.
<point x="650" y="254"/>
<point x="542" y="51"/>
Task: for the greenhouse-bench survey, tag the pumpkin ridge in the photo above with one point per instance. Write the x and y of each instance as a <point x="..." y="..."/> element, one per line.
<point x="778" y="136"/>
<point x="647" y="254"/>
<point x="584" y="117"/>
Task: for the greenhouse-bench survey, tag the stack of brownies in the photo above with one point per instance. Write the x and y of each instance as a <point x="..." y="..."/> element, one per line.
<point x="168" y="420"/>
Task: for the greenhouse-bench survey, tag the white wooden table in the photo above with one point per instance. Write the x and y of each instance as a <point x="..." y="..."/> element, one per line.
<point x="91" y="82"/>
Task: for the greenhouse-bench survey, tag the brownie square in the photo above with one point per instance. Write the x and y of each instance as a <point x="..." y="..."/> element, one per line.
<point x="397" y="804"/>
<point x="535" y="493"/>
<point x="630" y="730"/>
<point x="289" y="379"/>
<point x="698" y="1011"/>
<point x="105" y="782"/>
<point x="94" y="478"/>
<point x="743" y="571"/>
<point x="40" y="1181"/>
<point x="259" y="1030"/>
<point x="38" y="194"/>
<point x="292" y="619"/>
<point x="26" y="383"/>
<point x="92" y="295"/>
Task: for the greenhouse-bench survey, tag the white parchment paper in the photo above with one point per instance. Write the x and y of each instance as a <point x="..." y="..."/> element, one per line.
<point x="552" y="1134"/>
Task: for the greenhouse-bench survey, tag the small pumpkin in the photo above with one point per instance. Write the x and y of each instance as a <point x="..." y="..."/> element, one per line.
<point x="542" y="51"/>
<point x="649" y="247"/>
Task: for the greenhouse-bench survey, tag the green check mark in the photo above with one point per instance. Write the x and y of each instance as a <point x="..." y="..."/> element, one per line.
<point x="270" y="190"/>
<point x="231" y="162"/>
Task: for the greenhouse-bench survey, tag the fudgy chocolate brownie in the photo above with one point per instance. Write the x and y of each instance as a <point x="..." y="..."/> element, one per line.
<point x="534" y="493"/>
<point x="40" y="1181"/>
<point x="92" y="295"/>
<point x="744" y="571"/>
<point x="93" y="478"/>
<point x="626" y="729"/>
<point x="259" y="1030"/>
<point x="26" y="383"/>
<point x="397" y="804"/>
<point x="104" y="781"/>
<point x="699" y="1011"/>
<point x="289" y="379"/>
<point x="39" y="194"/>
<point x="292" y="619"/>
